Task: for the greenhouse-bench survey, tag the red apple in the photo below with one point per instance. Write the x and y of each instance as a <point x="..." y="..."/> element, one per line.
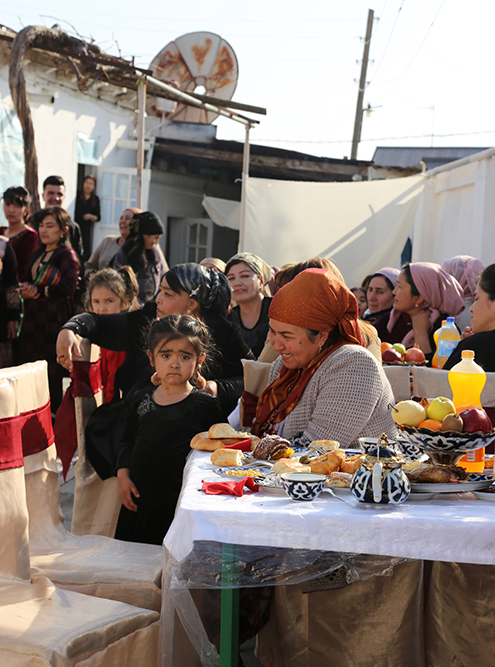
<point x="414" y="354"/>
<point x="475" y="420"/>
<point x="391" y="355"/>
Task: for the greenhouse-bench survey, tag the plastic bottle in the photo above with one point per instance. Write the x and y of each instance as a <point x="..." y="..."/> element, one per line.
<point x="467" y="380"/>
<point x="434" y="361"/>
<point x="448" y="339"/>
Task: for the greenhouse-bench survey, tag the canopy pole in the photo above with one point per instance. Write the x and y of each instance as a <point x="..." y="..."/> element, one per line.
<point x="245" y="176"/>
<point x="140" y="141"/>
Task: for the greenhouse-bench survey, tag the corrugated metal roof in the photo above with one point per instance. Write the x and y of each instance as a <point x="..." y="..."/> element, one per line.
<point x="402" y="156"/>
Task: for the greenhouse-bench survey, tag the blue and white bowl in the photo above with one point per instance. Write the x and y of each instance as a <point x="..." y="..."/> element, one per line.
<point x="446" y="442"/>
<point x="302" y="486"/>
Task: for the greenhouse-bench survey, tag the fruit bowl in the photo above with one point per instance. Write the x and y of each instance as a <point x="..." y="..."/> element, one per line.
<point x="404" y="363"/>
<point x="446" y="442"/>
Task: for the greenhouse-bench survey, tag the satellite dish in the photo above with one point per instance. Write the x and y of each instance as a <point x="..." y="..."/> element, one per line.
<point x="196" y="60"/>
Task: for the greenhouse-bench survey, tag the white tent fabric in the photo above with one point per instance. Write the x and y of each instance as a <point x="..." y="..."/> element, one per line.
<point x="361" y="226"/>
<point x="457" y="210"/>
<point x="223" y="212"/>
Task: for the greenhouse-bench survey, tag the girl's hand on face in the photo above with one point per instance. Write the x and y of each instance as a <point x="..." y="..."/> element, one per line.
<point x="466" y="333"/>
<point x="155" y="379"/>
<point x="200" y="383"/>
<point x="127" y="489"/>
<point x="67" y="348"/>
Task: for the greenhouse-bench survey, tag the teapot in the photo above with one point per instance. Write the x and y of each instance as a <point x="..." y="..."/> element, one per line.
<point x="380" y="479"/>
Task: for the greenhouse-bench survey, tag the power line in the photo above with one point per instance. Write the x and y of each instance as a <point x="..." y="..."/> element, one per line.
<point x="420" y="46"/>
<point x="348" y="141"/>
<point x="388" y="41"/>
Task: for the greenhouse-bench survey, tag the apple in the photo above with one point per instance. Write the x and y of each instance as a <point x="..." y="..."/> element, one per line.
<point x="439" y="408"/>
<point x="391" y="355"/>
<point x="475" y="420"/>
<point x="398" y="347"/>
<point x="408" y="413"/>
<point x="414" y="354"/>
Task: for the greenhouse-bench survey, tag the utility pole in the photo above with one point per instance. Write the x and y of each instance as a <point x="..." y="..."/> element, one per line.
<point x="362" y="85"/>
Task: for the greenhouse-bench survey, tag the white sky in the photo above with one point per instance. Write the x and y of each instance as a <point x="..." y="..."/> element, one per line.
<point x="430" y="65"/>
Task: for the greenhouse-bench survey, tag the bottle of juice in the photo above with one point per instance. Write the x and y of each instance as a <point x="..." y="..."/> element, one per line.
<point x="448" y="338"/>
<point x="467" y="380"/>
<point x="434" y="361"/>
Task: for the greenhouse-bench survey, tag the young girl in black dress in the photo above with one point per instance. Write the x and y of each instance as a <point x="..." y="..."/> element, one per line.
<point x="160" y="426"/>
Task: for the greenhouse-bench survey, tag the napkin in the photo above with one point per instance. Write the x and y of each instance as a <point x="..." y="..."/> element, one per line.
<point x="243" y="445"/>
<point x="229" y="488"/>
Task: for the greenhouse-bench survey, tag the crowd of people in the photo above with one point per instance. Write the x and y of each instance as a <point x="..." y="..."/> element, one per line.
<point x="173" y="340"/>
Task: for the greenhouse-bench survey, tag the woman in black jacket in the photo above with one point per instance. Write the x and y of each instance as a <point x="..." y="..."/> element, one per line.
<point x="184" y="289"/>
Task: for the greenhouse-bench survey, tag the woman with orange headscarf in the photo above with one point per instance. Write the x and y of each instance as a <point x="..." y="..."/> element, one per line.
<point x="325" y="384"/>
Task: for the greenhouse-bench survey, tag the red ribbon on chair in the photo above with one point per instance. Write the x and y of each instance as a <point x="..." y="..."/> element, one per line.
<point x="10" y="443"/>
<point x="86" y="382"/>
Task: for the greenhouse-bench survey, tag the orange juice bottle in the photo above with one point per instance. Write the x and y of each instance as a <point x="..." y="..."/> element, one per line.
<point x="434" y="361"/>
<point x="448" y="338"/>
<point x="467" y="380"/>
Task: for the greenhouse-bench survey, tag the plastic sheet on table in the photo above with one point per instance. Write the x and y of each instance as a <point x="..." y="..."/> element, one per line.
<point x="213" y="566"/>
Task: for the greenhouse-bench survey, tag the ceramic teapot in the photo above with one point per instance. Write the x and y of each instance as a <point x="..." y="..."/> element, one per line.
<point x="380" y="479"/>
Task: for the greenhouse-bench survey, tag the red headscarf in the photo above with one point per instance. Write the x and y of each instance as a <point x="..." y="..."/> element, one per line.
<point x="316" y="299"/>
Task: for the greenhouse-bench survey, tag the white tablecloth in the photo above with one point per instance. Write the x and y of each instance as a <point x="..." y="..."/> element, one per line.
<point x="456" y="528"/>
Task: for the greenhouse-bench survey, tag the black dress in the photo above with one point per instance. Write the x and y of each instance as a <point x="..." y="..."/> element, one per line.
<point x="84" y="206"/>
<point x="154" y="447"/>
<point x="127" y="332"/>
<point x="254" y="338"/>
<point x="483" y="346"/>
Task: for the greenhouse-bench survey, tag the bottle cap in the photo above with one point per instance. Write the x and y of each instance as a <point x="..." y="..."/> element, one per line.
<point x="450" y="320"/>
<point x="467" y="354"/>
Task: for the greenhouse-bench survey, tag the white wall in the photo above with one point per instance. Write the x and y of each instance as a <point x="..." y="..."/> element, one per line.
<point x="56" y="127"/>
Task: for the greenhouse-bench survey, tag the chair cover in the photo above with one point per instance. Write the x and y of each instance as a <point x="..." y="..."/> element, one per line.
<point x="368" y="623"/>
<point x="40" y="625"/>
<point x="94" y="565"/>
<point x="96" y="501"/>
<point x="399" y="379"/>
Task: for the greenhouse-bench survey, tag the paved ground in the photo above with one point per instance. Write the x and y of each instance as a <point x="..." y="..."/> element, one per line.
<point x="66" y="503"/>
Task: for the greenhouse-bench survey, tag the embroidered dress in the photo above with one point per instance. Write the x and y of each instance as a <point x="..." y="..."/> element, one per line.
<point x="55" y="273"/>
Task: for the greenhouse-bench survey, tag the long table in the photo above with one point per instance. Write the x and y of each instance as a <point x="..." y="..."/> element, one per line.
<point x="213" y="538"/>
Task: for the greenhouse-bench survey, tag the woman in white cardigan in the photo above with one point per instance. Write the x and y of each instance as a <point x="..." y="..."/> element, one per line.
<point x="325" y="384"/>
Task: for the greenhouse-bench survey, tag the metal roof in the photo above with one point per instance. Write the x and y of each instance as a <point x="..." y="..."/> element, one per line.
<point x="403" y="156"/>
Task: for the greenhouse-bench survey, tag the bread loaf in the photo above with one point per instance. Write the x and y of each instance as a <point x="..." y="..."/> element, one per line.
<point x="220" y="431"/>
<point x="328" y="463"/>
<point x="227" y="457"/>
<point x="288" y="465"/>
<point x="339" y="479"/>
<point x="351" y="464"/>
<point x="329" y="445"/>
<point x="202" y="442"/>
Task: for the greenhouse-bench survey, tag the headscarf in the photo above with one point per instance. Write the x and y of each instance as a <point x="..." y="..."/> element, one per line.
<point x="467" y="271"/>
<point x="315" y="299"/>
<point x="389" y="273"/>
<point x="145" y="223"/>
<point x="219" y="264"/>
<point x="441" y="292"/>
<point x="256" y="264"/>
<point x="209" y="288"/>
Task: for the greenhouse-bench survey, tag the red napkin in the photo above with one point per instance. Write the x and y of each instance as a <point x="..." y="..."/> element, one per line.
<point x="229" y="488"/>
<point x="243" y="445"/>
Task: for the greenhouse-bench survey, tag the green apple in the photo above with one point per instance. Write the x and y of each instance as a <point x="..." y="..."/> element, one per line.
<point x="399" y="348"/>
<point x="439" y="408"/>
<point x="408" y="413"/>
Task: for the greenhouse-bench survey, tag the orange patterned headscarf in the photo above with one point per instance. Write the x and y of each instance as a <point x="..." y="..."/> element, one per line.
<point x="315" y="300"/>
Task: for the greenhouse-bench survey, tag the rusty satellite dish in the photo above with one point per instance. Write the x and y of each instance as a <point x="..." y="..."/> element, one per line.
<point x="195" y="59"/>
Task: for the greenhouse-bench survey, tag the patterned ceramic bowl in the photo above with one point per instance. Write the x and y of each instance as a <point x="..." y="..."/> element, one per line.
<point x="302" y="486"/>
<point x="446" y="442"/>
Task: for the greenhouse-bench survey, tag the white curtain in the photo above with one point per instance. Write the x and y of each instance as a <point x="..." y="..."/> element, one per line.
<point x="362" y="226"/>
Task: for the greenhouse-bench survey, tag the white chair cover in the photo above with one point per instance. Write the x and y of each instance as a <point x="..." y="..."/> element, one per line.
<point x="40" y="625"/>
<point x="94" y="565"/>
<point x="399" y="379"/>
<point x="96" y="501"/>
